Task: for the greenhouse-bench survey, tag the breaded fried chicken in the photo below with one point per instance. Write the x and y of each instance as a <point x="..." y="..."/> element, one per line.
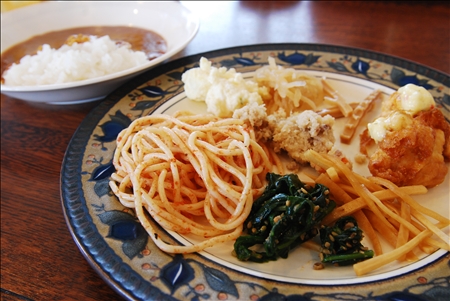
<point x="413" y="140"/>
<point x="412" y="155"/>
<point x="294" y="134"/>
<point x="435" y="119"/>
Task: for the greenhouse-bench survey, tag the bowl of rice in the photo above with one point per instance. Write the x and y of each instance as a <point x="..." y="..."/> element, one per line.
<point x="88" y="67"/>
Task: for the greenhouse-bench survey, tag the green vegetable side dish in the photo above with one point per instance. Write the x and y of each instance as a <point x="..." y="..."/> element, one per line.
<point x="288" y="213"/>
<point x="341" y="244"/>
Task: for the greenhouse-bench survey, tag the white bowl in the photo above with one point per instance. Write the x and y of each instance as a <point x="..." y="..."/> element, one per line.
<point x="175" y="23"/>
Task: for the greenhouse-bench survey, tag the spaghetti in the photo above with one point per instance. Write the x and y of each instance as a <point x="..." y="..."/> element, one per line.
<point x="192" y="173"/>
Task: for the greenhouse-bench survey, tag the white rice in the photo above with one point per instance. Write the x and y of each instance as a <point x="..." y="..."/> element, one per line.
<point x="97" y="57"/>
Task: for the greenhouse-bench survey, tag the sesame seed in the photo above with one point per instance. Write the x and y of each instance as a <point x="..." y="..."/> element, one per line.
<point x="318" y="266"/>
<point x="276" y="219"/>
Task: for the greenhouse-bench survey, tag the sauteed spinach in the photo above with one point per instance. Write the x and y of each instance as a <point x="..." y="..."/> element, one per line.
<point x="287" y="214"/>
<point x="341" y="243"/>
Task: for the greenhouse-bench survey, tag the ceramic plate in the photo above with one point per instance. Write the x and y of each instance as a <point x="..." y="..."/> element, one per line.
<point x="119" y="249"/>
<point x="170" y="19"/>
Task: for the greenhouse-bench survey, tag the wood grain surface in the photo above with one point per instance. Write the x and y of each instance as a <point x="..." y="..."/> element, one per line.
<point x="39" y="259"/>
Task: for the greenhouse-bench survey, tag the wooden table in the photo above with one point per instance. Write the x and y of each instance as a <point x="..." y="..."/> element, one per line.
<point x="39" y="259"/>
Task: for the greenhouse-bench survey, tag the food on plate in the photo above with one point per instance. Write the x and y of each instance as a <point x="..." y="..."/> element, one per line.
<point x="341" y="243"/>
<point x="379" y="203"/>
<point x="289" y="89"/>
<point x="220" y="177"/>
<point x="192" y="173"/>
<point x="125" y="47"/>
<point x="334" y="111"/>
<point x="411" y="99"/>
<point x="336" y="98"/>
<point x="224" y="90"/>
<point x="278" y="88"/>
<point x="292" y="134"/>
<point x="273" y="102"/>
<point x="412" y="139"/>
<point x="287" y="214"/>
<point x="358" y="113"/>
<point x="301" y="132"/>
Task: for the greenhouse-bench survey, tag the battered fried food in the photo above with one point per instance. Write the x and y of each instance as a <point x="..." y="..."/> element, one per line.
<point x="413" y="142"/>
<point x="412" y="155"/>
<point x="435" y="119"/>
<point x="293" y="134"/>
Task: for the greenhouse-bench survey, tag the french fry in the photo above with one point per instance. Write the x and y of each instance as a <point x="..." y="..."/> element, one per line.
<point x="394" y="208"/>
<point x="359" y="203"/>
<point x="348" y="188"/>
<point x="392" y="215"/>
<point x="424" y="246"/>
<point x="404" y="196"/>
<point x="339" y="195"/>
<point x="435" y="229"/>
<point x="403" y="232"/>
<point x="388" y="232"/>
<point x="364" y="267"/>
<point x="315" y="158"/>
<point x="334" y="111"/>
<point x="337" y="99"/>
<point x="379" y="205"/>
<point x="324" y="162"/>
<point x="356" y="116"/>
<point x="410" y="256"/>
<point x="412" y="228"/>
<point x="417" y="210"/>
<point x="361" y="190"/>
<point x="310" y="174"/>
<point x="332" y="173"/>
<point x="366" y="226"/>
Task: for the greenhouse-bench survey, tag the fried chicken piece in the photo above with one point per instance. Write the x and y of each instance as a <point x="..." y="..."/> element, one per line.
<point x="303" y="131"/>
<point x="411" y="139"/>
<point x="414" y="154"/>
<point x="435" y="119"/>
<point x="294" y="134"/>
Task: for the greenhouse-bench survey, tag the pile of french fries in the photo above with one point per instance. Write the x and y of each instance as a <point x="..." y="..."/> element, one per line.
<point x="381" y="209"/>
